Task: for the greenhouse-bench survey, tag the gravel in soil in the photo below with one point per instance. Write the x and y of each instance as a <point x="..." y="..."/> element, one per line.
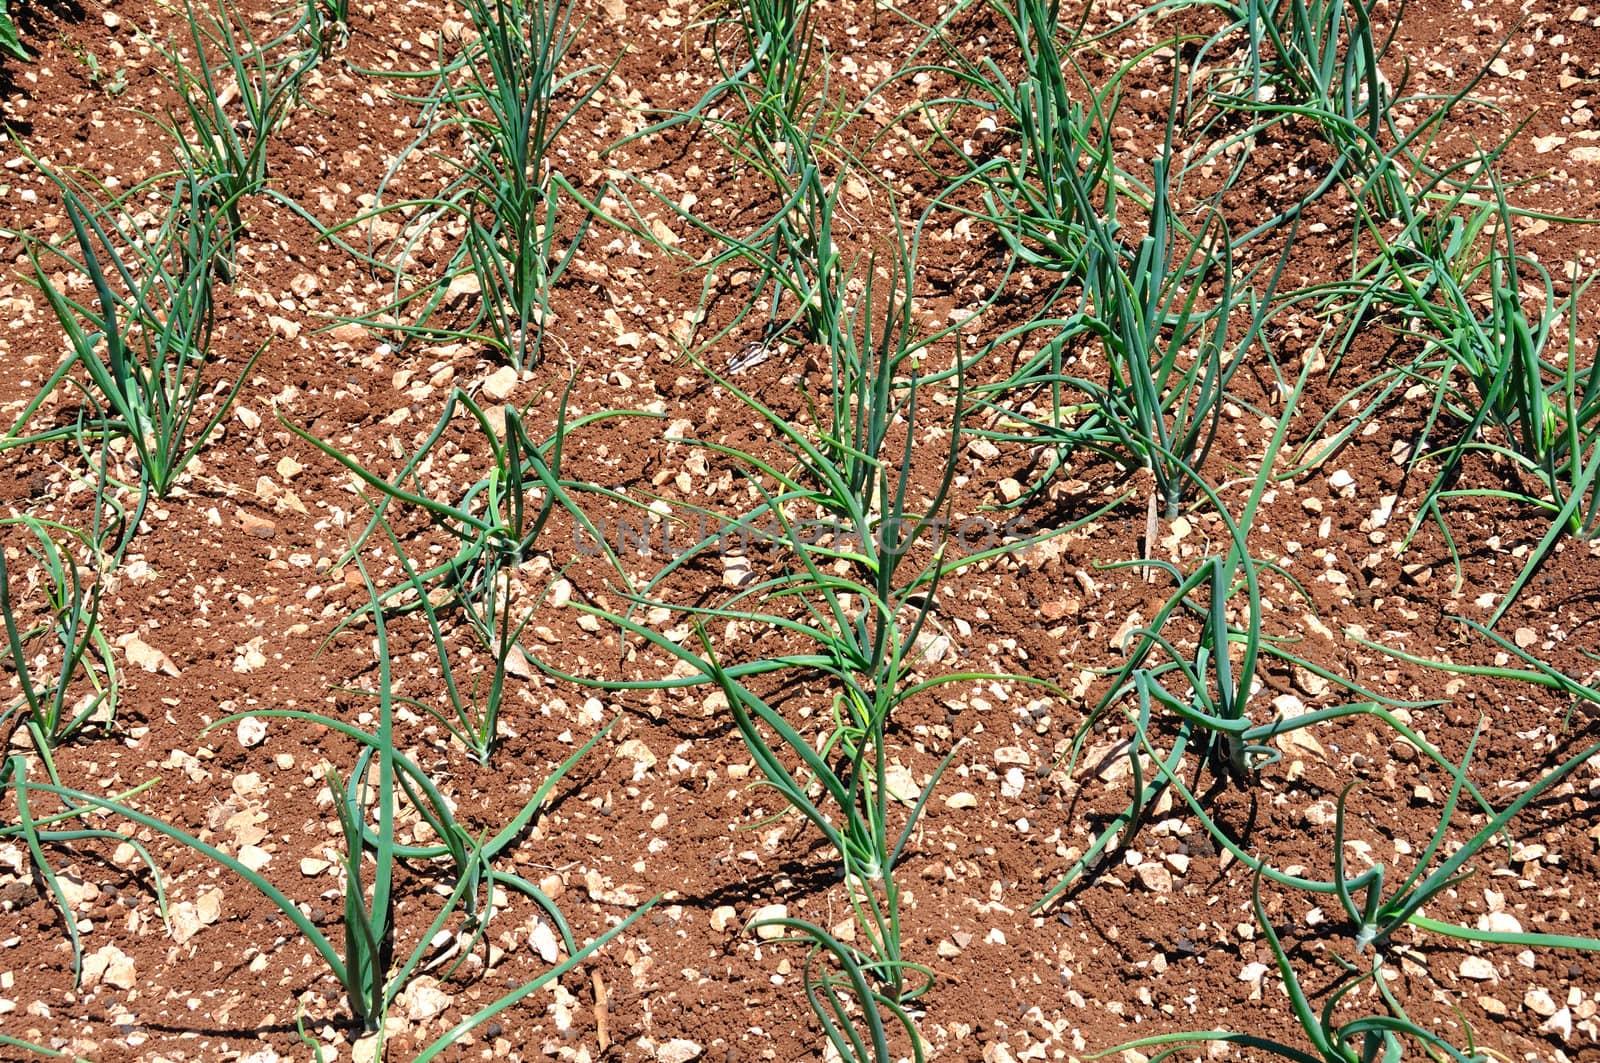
<point x="230" y="600"/>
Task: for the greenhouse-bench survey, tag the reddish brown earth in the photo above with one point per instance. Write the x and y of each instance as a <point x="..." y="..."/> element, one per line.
<point x="242" y="557"/>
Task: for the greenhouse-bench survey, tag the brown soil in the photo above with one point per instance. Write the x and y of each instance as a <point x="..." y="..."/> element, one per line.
<point x="233" y="578"/>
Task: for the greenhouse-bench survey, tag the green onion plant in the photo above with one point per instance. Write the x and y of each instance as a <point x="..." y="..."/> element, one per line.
<point x="1167" y="346"/>
<point x="766" y="73"/>
<point x="779" y="44"/>
<point x="1318" y="60"/>
<point x="1372" y="917"/>
<point x="235" y="93"/>
<point x="364" y="966"/>
<point x="1207" y="689"/>
<point x="328" y="22"/>
<point x="1150" y="308"/>
<point x="795" y="252"/>
<point x="504" y="100"/>
<point x="141" y="353"/>
<point x="771" y="112"/>
<point x="10" y="41"/>
<point x="1485" y="361"/>
<point x="1150" y="314"/>
<point x="499" y="518"/>
<point x="497" y="522"/>
<point x="511" y="193"/>
<point x="39" y="833"/>
<point x="1373" y="914"/>
<point x="84" y="684"/>
<point x="1493" y="370"/>
<point x="1040" y="200"/>
<point x="845" y="999"/>
<point x="837" y="507"/>
<point x="1367" y="1039"/>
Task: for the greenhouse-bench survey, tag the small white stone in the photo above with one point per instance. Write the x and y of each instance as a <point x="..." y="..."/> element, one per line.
<point x="766" y="914"/>
<point x="678" y="1050"/>
<point x="146" y="656"/>
<point x="900" y="784"/>
<point x="462" y="285"/>
<point x="1289" y="705"/>
<point x="932" y="646"/>
<point x="998" y="1052"/>
<point x="110" y="965"/>
<point x="365" y="1050"/>
<point x="1340" y="479"/>
<point x="1539" y="1002"/>
<point x="76" y="891"/>
<point x="736" y="571"/>
<point x="254" y="857"/>
<point x="208" y="906"/>
<point x="1500" y="923"/>
<point x="982" y="449"/>
<point x="543" y="940"/>
<point x="1321" y="814"/>
<point x="499" y="384"/>
<point x="1559" y="1023"/>
<point x="183" y="923"/>
<point x="1479" y="969"/>
<point x="252" y="731"/>
<point x="423" y="999"/>
<point x="1253" y="972"/>
<point x="643" y="759"/>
